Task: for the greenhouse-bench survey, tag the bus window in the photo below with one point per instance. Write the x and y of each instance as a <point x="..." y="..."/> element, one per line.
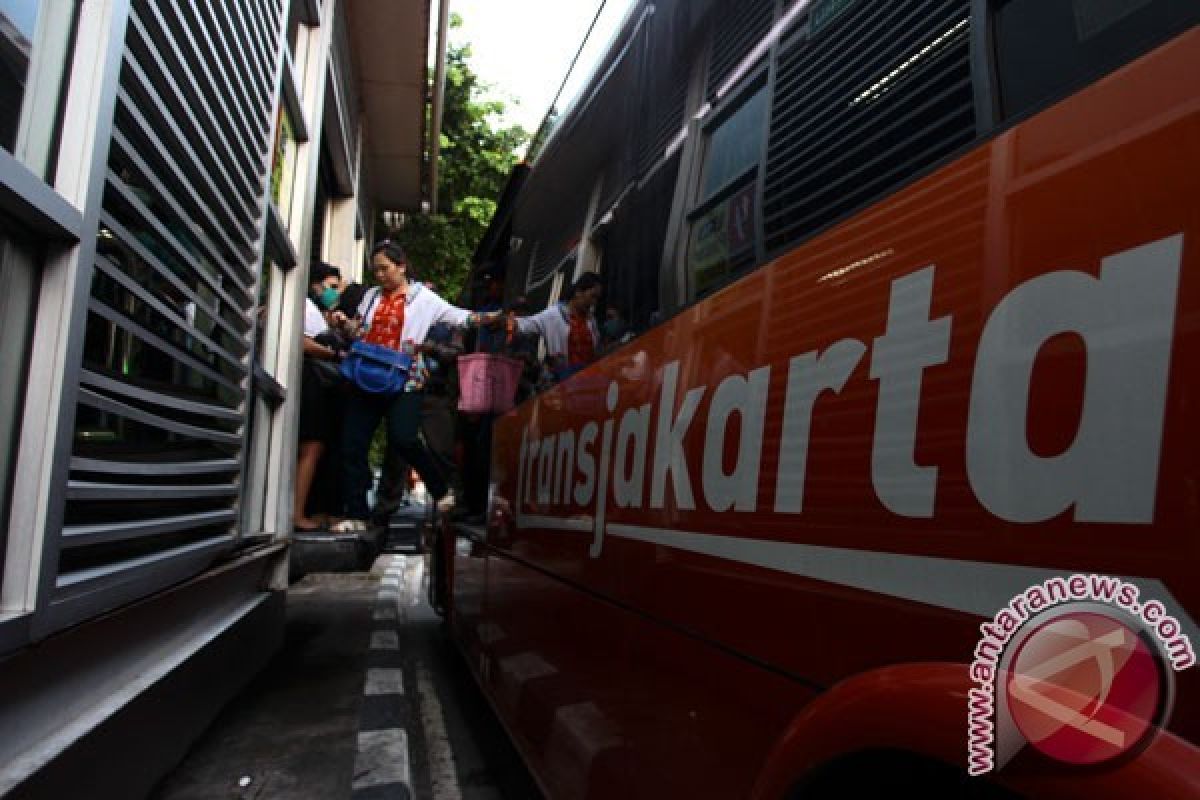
<point x="1045" y="49"/>
<point x="722" y="236"/>
<point x="734" y="144"/>
<point x="865" y="100"/>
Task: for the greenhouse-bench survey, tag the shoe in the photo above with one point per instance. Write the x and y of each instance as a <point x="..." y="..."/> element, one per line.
<point x="446" y="503"/>
<point x="349" y="526"/>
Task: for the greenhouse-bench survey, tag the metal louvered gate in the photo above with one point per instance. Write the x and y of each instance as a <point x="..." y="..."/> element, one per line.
<point x="157" y="456"/>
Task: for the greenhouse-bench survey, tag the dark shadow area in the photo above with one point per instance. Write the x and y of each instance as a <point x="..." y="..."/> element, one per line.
<point x="293" y="731"/>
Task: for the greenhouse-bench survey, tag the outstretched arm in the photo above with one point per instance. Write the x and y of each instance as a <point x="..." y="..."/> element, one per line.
<point x="460" y="317"/>
<point x="535" y="323"/>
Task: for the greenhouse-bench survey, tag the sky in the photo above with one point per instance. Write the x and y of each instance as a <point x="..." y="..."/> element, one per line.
<point x="523" y="48"/>
<point x="23" y="14"/>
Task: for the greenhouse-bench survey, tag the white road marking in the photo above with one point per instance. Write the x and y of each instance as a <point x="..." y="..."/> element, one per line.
<point x="382" y="759"/>
<point x="385" y="614"/>
<point x="385" y="640"/>
<point x="442" y="772"/>
<point x="384" y="681"/>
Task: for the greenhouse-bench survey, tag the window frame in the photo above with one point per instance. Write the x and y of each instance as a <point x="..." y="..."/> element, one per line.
<point x="40" y="116"/>
<point x="57" y="211"/>
<point x="756" y="81"/>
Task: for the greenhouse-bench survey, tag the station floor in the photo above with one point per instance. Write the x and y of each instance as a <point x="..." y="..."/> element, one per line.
<point x="368" y="699"/>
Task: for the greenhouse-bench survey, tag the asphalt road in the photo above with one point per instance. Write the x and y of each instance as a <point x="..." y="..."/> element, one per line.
<point x="368" y="699"/>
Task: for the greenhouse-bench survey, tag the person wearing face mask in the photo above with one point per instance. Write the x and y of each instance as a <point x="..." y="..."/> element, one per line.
<point x="324" y="285"/>
<point x="317" y="409"/>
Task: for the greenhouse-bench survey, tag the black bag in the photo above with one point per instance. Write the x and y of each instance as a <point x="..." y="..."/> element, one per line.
<point x="325" y="373"/>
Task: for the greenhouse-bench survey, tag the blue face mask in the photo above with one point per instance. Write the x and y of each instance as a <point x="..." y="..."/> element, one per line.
<point x="329" y="298"/>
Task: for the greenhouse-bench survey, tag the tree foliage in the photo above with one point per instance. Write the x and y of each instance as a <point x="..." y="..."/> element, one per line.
<point x="477" y="155"/>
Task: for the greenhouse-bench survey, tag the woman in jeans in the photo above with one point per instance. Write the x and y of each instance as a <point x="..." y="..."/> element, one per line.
<point x="396" y="314"/>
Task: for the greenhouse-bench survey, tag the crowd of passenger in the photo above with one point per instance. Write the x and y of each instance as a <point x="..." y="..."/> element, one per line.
<point x="389" y="353"/>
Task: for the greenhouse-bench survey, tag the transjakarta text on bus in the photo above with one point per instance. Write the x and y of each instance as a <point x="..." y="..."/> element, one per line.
<point x="1108" y="473"/>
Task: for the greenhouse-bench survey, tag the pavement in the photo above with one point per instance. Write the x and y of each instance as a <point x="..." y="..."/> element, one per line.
<point x="368" y="699"/>
<point x="324" y="551"/>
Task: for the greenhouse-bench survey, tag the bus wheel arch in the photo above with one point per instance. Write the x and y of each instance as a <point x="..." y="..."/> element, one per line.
<point x="917" y="711"/>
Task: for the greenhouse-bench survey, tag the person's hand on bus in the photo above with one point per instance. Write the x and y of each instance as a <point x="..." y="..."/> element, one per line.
<point x="492" y="319"/>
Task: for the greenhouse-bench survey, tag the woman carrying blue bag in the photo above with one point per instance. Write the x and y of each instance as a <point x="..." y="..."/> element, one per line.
<point x="385" y="373"/>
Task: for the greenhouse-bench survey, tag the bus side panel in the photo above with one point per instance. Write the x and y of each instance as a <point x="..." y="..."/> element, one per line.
<point x="1102" y="180"/>
<point x="703" y="719"/>
<point x="855" y="530"/>
<point x="555" y="664"/>
<point x="466" y="576"/>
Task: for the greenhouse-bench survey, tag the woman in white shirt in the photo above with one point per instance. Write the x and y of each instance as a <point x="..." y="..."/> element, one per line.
<point x="397" y="314"/>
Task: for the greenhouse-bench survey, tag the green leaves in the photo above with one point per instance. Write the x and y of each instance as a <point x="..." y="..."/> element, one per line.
<point x="477" y="156"/>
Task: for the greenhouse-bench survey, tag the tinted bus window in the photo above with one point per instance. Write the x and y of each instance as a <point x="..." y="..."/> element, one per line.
<point x="1045" y="49"/>
<point x="735" y="144"/>
<point x="722" y="237"/>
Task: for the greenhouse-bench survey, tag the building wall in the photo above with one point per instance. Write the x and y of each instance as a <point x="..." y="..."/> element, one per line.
<point x="157" y="199"/>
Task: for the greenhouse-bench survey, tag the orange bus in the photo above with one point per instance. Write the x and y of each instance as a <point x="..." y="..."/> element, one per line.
<point x="889" y="480"/>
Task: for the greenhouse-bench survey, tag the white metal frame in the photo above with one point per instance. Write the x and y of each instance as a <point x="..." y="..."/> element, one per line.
<point x="43" y="453"/>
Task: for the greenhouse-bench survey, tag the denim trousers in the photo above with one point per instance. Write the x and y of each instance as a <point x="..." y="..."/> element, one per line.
<point x="363" y="413"/>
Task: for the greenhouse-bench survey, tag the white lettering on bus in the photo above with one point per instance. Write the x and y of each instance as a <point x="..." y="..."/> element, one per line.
<point x="545" y="470"/>
<point x="585" y="489"/>
<point x="1109" y="472"/>
<point x="628" y="478"/>
<point x="912" y="343"/>
<point x="669" y="456"/>
<point x="564" y="467"/>
<point x="610" y="403"/>
<point x="808" y="376"/>
<point x="745" y="396"/>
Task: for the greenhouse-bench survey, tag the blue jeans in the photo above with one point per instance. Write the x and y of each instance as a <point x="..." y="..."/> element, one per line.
<point x="403" y="414"/>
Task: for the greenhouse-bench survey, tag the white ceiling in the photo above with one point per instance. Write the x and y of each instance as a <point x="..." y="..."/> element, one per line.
<point x="389" y="41"/>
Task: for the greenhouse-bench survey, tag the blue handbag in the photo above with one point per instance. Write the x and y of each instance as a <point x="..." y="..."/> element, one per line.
<point x="375" y="368"/>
